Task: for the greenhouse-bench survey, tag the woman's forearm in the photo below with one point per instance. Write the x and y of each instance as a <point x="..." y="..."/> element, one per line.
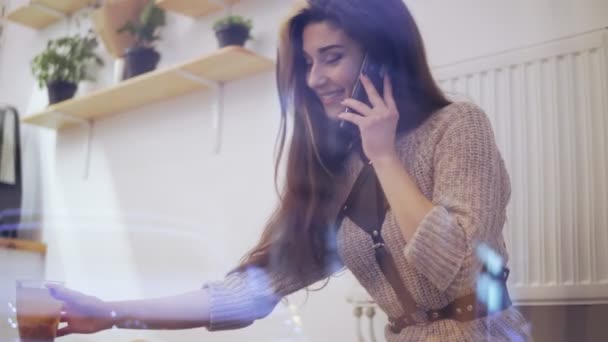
<point x="184" y="311"/>
<point x="407" y="203"/>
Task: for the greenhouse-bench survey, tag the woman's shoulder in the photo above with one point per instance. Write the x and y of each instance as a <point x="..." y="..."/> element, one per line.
<point x="458" y="114"/>
<point x="455" y="117"/>
<point x="458" y="119"/>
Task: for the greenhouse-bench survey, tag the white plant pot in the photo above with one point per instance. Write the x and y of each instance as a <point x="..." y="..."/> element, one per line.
<point x="119" y="67"/>
<point x="87" y="87"/>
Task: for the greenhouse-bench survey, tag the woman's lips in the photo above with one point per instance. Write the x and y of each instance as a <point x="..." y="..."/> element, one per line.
<point x="332" y="97"/>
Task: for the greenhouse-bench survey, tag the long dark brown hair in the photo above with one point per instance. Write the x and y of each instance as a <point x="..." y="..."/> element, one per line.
<point x="300" y="235"/>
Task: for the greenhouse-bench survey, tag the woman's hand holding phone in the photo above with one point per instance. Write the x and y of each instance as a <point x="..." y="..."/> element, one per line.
<point x="377" y="123"/>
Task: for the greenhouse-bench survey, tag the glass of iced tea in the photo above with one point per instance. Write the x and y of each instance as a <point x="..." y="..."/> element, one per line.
<point x="38" y="312"/>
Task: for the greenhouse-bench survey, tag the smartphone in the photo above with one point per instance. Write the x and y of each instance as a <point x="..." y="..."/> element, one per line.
<point x="373" y="70"/>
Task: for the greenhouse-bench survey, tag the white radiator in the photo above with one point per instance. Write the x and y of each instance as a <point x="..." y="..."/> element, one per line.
<point x="549" y="108"/>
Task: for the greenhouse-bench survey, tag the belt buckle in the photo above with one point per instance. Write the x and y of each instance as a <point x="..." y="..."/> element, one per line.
<point x="411" y="320"/>
<point x="421" y="322"/>
<point x="397" y="328"/>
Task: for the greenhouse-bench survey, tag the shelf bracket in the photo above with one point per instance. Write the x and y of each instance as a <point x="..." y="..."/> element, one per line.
<point x="217" y="118"/>
<point x="218" y="107"/>
<point x="89" y="127"/>
<point x="48" y="10"/>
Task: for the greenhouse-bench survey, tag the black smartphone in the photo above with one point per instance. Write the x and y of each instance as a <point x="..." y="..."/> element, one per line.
<point x="373" y="70"/>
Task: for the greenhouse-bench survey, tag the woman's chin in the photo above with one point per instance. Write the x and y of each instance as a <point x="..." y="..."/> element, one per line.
<point x="333" y="113"/>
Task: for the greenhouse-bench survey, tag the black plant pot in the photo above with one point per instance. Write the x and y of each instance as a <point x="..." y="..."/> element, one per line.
<point x="232" y="35"/>
<point x="60" y="91"/>
<point x="139" y="60"/>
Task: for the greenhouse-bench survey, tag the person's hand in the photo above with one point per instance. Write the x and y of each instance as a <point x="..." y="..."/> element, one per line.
<point x="377" y="124"/>
<point x="83" y="314"/>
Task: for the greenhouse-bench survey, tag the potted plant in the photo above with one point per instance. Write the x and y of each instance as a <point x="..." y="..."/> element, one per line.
<point x="64" y="63"/>
<point x="142" y="57"/>
<point x="232" y="30"/>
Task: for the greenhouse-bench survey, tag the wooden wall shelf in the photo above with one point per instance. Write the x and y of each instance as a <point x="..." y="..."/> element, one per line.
<point x="194" y="8"/>
<point x="39" y="14"/>
<point x="23" y="245"/>
<point x="227" y="64"/>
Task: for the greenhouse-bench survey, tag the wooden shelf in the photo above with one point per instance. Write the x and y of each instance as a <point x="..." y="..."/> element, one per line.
<point x="39" y="14"/>
<point x="224" y="65"/>
<point x="197" y="8"/>
<point x="24" y="245"/>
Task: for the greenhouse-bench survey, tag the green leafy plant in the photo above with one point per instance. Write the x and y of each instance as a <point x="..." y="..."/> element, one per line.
<point x="233" y="20"/>
<point x="66" y="59"/>
<point x="145" y="29"/>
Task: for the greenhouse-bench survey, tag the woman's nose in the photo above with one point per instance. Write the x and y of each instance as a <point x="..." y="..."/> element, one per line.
<point x="316" y="77"/>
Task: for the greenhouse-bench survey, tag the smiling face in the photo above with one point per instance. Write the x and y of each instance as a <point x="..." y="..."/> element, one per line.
<point x="333" y="61"/>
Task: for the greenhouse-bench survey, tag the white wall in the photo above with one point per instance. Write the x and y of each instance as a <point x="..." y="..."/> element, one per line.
<point x="461" y="29"/>
<point x="159" y="213"/>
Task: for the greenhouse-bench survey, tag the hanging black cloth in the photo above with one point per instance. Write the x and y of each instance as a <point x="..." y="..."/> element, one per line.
<point x="10" y="163"/>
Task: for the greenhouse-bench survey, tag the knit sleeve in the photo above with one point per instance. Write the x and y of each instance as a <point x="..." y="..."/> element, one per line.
<point x="468" y="194"/>
<point x="245" y="296"/>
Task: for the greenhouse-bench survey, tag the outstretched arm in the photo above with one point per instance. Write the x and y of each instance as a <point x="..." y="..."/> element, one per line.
<point x="234" y="302"/>
<point x="87" y="314"/>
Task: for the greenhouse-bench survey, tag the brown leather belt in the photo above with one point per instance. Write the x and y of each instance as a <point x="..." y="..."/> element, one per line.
<point x="463" y="309"/>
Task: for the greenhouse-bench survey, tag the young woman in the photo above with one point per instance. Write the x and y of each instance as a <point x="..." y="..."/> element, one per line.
<point x="442" y="183"/>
